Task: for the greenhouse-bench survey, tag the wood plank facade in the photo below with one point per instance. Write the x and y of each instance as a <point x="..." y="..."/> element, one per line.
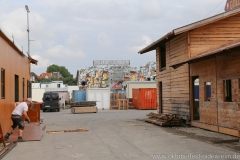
<point x="222" y="109"/>
<point x="14" y="78"/>
<point x="206" y="90"/>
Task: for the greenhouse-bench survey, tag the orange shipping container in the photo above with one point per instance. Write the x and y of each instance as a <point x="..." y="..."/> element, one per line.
<point x="144" y="98"/>
<point x="135" y="97"/>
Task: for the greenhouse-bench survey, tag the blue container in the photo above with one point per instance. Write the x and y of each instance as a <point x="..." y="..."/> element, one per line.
<point x="196" y="91"/>
<point x="79" y="95"/>
<point x="119" y="92"/>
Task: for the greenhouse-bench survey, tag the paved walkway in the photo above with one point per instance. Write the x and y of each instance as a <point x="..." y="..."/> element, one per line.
<point x="112" y="134"/>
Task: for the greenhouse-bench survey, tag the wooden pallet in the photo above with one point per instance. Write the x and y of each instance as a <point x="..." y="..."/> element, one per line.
<point x="163" y="120"/>
<point x="90" y="109"/>
<point x="122" y="104"/>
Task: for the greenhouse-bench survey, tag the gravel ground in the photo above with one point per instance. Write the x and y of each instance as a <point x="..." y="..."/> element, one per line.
<point x="219" y="139"/>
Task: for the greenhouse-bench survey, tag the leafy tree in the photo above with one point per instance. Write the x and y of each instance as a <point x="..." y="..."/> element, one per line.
<point x="61" y="69"/>
<point x="70" y="81"/>
<point x="68" y="78"/>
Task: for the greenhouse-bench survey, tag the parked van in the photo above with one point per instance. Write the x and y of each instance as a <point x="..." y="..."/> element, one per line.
<point x="51" y="101"/>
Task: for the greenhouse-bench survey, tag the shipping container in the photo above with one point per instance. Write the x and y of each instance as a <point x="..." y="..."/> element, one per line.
<point x="101" y="95"/>
<point x="144" y="98"/>
<point x="135" y="97"/>
<point x="129" y="85"/>
<point x="79" y="95"/>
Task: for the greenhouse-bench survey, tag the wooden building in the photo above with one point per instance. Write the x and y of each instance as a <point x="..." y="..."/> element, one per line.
<point x="197" y="72"/>
<point x="15" y="78"/>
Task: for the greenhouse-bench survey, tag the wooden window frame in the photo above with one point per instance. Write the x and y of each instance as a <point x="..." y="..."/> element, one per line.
<point x="16" y="88"/>
<point x="3" y="83"/>
<point x="162" y="58"/>
<point x="227" y="90"/>
<point x="206" y="98"/>
<point x="23" y="86"/>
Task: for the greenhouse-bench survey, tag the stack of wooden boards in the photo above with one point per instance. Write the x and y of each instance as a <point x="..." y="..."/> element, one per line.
<point x="84" y="107"/>
<point x="163" y="120"/>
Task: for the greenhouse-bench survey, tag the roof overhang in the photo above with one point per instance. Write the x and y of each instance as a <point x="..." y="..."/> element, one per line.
<point x="157" y="43"/>
<point x="188" y="27"/>
<point x="33" y="61"/>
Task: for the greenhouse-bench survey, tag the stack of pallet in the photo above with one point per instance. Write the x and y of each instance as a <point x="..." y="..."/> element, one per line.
<point x="114" y="99"/>
<point x="130" y="103"/>
<point x="163" y="120"/>
<point x="122" y="104"/>
<point x="84" y="107"/>
<point x="83" y="104"/>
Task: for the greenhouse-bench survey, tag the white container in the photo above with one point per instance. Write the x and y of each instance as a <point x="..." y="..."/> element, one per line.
<point x="101" y="95"/>
<point x="129" y="85"/>
<point x="70" y="90"/>
<point x="37" y="94"/>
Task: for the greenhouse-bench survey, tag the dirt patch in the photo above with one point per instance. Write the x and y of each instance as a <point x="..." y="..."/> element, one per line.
<point x="62" y="131"/>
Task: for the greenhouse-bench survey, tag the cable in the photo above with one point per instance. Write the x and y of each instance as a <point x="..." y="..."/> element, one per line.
<point x="215" y="8"/>
<point x="220" y="10"/>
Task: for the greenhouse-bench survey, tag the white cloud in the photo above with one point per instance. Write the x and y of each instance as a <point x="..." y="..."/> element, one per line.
<point x="104" y="40"/>
<point x="61" y="52"/>
<point x="73" y="41"/>
<point x="15" y="23"/>
<point x="72" y="33"/>
<point x="151" y="9"/>
<point x="42" y="64"/>
<point x="139" y="43"/>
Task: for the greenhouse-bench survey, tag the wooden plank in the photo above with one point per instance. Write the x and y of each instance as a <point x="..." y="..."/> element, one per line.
<point x="235" y="97"/>
<point x="84" y="110"/>
<point x="229" y="131"/>
<point x="178" y="39"/>
<point x="32" y="132"/>
<point x="228" y="115"/>
<point x="210" y="42"/>
<point x="204" y="126"/>
<point x="208" y="112"/>
<point x="2" y="137"/>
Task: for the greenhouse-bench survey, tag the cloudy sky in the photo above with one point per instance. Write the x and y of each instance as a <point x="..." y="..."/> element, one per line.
<point x="73" y="33"/>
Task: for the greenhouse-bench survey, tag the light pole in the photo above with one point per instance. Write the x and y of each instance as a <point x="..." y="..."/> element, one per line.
<point x="30" y="83"/>
<point x="28" y="29"/>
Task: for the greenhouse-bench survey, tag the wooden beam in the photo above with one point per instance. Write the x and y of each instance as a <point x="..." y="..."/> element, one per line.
<point x="205" y="126"/>
<point x="229" y="131"/>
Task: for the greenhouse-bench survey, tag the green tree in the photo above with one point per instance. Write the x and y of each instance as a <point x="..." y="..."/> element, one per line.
<point x="61" y="69"/>
<point x="67" y="77"/>
<point x="70" y="81"/>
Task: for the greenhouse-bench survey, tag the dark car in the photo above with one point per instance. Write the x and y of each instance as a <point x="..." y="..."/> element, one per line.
<point x="51" y="101"/>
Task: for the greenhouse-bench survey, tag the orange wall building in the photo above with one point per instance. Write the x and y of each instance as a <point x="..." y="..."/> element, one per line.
<point x="14" y="76"/>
